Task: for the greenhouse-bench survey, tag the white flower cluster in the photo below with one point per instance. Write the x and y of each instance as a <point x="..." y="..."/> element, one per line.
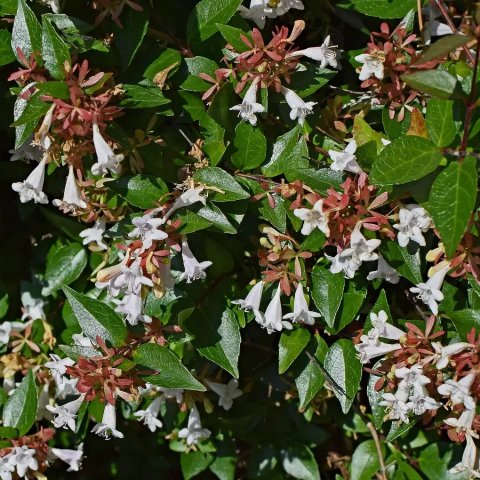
<point x="260" y="10"/>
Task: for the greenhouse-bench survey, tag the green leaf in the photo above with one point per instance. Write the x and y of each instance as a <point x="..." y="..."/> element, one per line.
<point x="277" y="215"/>
<point x="21" y="408"/>
<point x="365" y="462"/>
<point x="291" y="345"/>
<point x="143" y="96"/>
<point x="167" y="59"/>
<point x="320" y="180"/>
<point x="437" y="83"/>
<point x="217" y="337"/>
<point x="440" y="122"/>
<point x="229" y="189"/>
<point x="55" y="53"/>
<point x="23" y="132"/>
<point x="374" y="398"/>
<point x="452" y="199"/>
<point x="9" y="432"/>
<point x="64" y="266"/>
<point x="6" y="53"/>
<point x="142" y="191"/>
<point x="289" y="153"/>
<point x="345" y="370"/>
<point x="96" y="318"/>
<point x="224" y="467"/>
<point x="32" y="110"/>
<point x="465" y="320"/>
<point x="251" y="147"/>
<point x="232" y="36"/>
<point x="129" y="38"/>
<point x="75" y="351"/>
<point x="216" y="218"/>
<point x="171" y="372"/>
<point x="404" y="160"/>
<point x="384" y="8"/>
<point x="399" y="429"/>
<point x="409" y="265"/>
<point x="327" y="293"/>
<point x="26" y="32"/>
<point x="299" y="462"/>
<point x="202" y="23"/>
<point x="309" y="378"/>
<point x="3" y="301"/>
<point x="442" y="47"/>
<point x="352" y="300"/>
<point x="193" y="463"/>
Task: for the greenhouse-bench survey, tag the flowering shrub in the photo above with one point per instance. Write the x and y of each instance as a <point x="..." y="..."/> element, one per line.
<point x="240" y="240"/>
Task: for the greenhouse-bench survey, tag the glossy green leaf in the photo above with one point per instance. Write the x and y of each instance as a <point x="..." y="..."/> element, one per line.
<point x="437" y="83"/>
<point x="193" y="463"/>
<point x="407" y="263"/>
<point x="251" y="147"/>
<point x="365" y="462"/>
<point x="6" y="53"/>
<point x="202" y="23"/>
<point x="452" y="200"/>
<point x="64" y="265"/>
<point x="440" y="121"/>
<point x="320" y="180"/>
<point x="227" y="188"/>
<point x="404" y="160"/>
<point x="171" y="372"/>
<point x="299" y="462"/>
<point x="327" y="292"/>
<point x="233" y="36"/>
<point x="143" y="96"/>
<point x="345" y="370"/>
<point x="384" y="8"/>
<point x="291" y="345"/>
<point x="21" y="408"/>
<point x="3" y="301"/>
<point x="442" y="47"/>
<point x="26" y="32"/>
<point x="96" y="318"/>
<point x="465" y="320"/>
<point x="55" y="53"/>
<point x="142" y="191"/>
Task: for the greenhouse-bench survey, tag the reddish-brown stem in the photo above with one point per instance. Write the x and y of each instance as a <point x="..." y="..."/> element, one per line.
<point x="446" y="16"/>
<point x="472" y="100"/>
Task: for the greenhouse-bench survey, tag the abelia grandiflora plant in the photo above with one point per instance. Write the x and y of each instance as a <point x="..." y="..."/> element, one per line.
<point x="261" y="196"/>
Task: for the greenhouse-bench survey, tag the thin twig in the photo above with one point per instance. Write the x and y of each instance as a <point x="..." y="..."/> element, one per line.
<point x="383" y="470"/>
<point x="420" y="16"/>
<point x="446" y="16"/>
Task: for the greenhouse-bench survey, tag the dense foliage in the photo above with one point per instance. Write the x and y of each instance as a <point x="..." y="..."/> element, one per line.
<point x="240" y="240"/>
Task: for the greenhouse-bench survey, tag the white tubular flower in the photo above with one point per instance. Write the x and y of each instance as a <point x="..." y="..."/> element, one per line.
<point x="397" y="408"/>
<point x="26" y="152"/>
<point x="252" y="300"/>
<point x="433" y="28"/>
<point x="148" y="230"/>
<point x="107" y="160"/>
<point x="420" y="402"/>
<point x="249" y="106"/>
<point x="80" y="340"/>
<point x="32" y="307"/>
<point x="313" y="218"/>
<point x="128" y="280"/>
<point x="95" y="234"/>
<point x="65" y="387"/>
<point x="464" y="423"/>
<point x="345" y="160"/>
<point x="150" y="414"/>
<point x="298" y="108"/>
<point x="350" y="259"/>
<point x="187" y="198"/>
<point x="194" y="432"/>
<point x="258" y="12"/>
<point x="271" y="320"/>
<point x="226" y="393"/>
<point x="167" y="393"/>
<point x="5" y="331"/>
<point x="301" y="313"/>
<point x="6" y="467"/>
<point x="108" y="426"/>
<point x="385" y="329"/>
<point x="413" y="221"/>
<point x="372" y="66"/>
<point x="430" y="293"/>
<point x="442" y="354"/>
<point x="369" y="348"/>
<point x="66" y="414"/>
<point x="459" y="391"/>
<point x="412" y="377"/>
<point x="326" y="54"/>
<point x="72" y="197"/>
<point x="73" y="458"/>
<point x="24" y="459"/>
<point x="384" y="272"/>
<point x="470" y="460"/>
<point x="194" y="270"/>
<point x="132" y="307"/>
<point x="58" y="366"/>
<point x="31" y="188"/>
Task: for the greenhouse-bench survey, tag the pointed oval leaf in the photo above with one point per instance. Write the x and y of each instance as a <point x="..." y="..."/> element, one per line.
<point x="441" y="126"/>
<point x="26" y="32"/>
<point x="171" y="372"/>
<point x="437" y="83"/>
<point x="96" y="318"/>
<point x="55" y="51"/>
<point x="292" y="343"/>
